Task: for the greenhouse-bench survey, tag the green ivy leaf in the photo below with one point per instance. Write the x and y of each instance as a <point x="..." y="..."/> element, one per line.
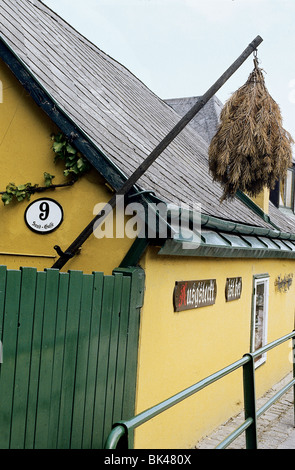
<point x="11" y="188"/>
<point x="48" y="179"/>
<point x="57" y="146"/>
<point x="71" y="149"/>
<point x="70" y="171"/>
<point x="80" y="164"/>
<point x="6" y="198"/>
<point x="58" y="137"/>
<point x="20" y="195"/>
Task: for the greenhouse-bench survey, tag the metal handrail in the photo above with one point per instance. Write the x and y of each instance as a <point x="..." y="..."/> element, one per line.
<point x="121" y="430"/>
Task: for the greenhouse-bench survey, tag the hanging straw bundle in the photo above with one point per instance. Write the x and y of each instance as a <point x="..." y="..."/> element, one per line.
<point x="250" y="150"/>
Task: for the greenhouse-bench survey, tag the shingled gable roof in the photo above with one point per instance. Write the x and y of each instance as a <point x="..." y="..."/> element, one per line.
<point x="206" y="121"/>
<point x="116" y="120"/>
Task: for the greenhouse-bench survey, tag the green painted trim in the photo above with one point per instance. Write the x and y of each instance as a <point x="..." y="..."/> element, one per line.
<point x="255" y="208"/>
<point x="208" y="221"/>
<point x="174" y="248"/>
<point x="215" y="223"/>
<point x="134" y="254"/>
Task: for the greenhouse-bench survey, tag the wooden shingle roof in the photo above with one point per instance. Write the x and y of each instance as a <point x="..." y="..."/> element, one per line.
<point x="114" y="109"/>
<point x="206" y="121"/>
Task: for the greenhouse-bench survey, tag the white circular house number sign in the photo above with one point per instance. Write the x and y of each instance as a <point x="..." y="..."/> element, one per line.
<point x="44" y="215"/>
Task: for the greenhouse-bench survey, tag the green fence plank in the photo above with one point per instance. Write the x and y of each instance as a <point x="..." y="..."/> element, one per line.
<point x="112" y="356"/>
<point x="3" y="271"/>
<point x="98" y="282"/>
<point x="35" y="360"/>
<point x="136" y="302"/>
<point x="122" y="346"/>
<point x="10" y="325"/>
<point x="69" y="364"/>
<point x="57" y="372"/>
<point x="46" y="360"/>
<point x="82" y="362"/>
<point x="102" y="363"/>
<point x="23" y="357"/>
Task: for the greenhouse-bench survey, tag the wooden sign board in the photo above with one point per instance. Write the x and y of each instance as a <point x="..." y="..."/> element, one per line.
<point x="194" y="294"/>
<point x="233" y="288"/>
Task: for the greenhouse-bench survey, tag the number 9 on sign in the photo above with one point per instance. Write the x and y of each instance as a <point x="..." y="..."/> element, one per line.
<point x="44" y="215"/>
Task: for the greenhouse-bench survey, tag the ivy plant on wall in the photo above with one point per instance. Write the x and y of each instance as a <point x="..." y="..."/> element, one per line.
<point x="75" y="166"/>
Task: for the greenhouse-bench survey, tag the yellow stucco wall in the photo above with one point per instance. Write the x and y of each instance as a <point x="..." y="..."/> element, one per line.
<point x="262" y="200"/>
<point x="180" y="349"/>
<point x="25" y="153"/>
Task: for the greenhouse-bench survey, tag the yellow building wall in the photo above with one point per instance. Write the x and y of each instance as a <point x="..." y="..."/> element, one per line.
<point x="178" y="349"/>
<point x="262" y="200"/>
<point x="25" y="154"/>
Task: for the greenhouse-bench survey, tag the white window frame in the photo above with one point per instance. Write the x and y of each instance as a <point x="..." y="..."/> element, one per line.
<point x="286" y="190"/>
<point x="258" y="280"/>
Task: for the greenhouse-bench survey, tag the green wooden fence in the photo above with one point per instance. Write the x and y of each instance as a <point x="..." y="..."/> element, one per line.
<point x="69" y="344"/>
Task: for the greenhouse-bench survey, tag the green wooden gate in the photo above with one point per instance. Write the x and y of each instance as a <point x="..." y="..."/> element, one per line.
<point x="69" y="343"/>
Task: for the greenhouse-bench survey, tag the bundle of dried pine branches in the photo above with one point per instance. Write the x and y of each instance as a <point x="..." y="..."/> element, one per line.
<point x="250" y="150"/>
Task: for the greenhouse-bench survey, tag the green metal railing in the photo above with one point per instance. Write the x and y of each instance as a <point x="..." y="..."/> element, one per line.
<point x="119" y="436"/>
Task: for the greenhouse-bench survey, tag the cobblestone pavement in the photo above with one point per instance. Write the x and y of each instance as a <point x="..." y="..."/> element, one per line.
<point x="275" y="428"/>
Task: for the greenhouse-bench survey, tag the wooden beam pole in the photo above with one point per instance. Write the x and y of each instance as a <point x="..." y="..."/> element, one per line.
<point x="126" y="187"/>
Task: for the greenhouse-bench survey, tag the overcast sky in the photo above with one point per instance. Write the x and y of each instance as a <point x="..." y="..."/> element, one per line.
<point x="179" y="48"/>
